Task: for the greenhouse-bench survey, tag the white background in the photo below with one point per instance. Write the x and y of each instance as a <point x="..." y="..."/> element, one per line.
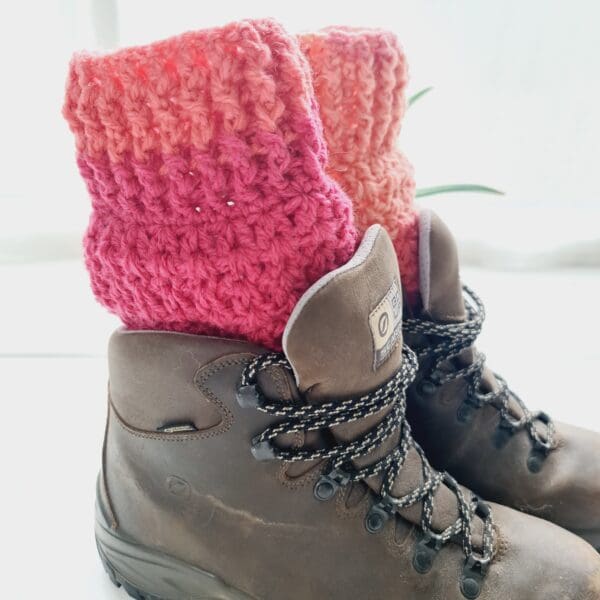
<point x="515" y="106"/>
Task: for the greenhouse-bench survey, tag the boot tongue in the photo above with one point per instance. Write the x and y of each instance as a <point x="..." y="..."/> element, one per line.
<point x="440" y="287"/>
<point x="344" y="336"/>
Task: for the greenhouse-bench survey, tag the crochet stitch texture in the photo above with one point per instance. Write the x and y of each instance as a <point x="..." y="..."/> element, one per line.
<point x="360" y="76"/>
<point x="205" y="161"/>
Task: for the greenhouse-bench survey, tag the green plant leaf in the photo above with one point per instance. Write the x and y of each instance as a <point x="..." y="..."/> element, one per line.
<point x="418" y="96"/>
<point x="458" y="187"/>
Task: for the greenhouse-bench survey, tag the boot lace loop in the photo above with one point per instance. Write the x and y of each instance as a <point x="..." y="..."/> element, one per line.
<point x="453" y="338"/>
<point x="303" y="417"/>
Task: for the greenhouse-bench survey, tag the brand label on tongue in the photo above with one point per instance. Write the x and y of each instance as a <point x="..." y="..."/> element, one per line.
<point x="386" y="325"/>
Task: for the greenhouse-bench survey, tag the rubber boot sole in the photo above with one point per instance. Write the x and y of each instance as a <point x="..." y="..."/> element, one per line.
<point x="147" y="574"/>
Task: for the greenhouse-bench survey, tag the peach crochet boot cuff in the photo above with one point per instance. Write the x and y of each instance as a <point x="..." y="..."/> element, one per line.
<point x="360" y="76"/>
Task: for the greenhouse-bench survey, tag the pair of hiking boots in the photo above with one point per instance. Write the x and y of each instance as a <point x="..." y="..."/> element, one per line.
<point x="230" y="471"/>
<point x="233" y="472"/>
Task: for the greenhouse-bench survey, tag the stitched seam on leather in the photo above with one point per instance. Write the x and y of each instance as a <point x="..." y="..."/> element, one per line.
<point x="200" y="383"/>
<point x="502" y="545"/>
<point x="394" y="548"/>
<point x="278" y="380"/>
<point x="350" y="512"/>
<point x="283" y="389"/>
<point x="400" y="546"/>
<point x="178" y="437"/>
<point x="161" y="437"/>
<point x="302" y="480"/>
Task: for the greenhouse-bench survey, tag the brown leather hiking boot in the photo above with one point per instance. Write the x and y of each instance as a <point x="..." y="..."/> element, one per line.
<point x="471" y="424"/>
<point x="234" y="473"/>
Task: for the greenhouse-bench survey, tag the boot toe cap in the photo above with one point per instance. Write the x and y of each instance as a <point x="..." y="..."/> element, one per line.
<point x="543" y="560"/>
<point x="576" y="479"/>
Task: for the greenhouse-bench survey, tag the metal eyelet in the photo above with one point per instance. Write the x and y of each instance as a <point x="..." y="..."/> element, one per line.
<point x="425" y="551"/>
<point x="324" y="490"/>
<point x="378" y="515"/>
<point x="535" y="460"/>
<point x="375" y="520"/>
<point x="465" y="412"/>
<point x="470" y="587"/>
<point x="544" y="417"/>
<point x="262" y="450"/>
<point x="327" y="485"/>
<point x="541" y="448"/>
<point x="247" y="396"/>
<point x="546" y="445"/>
<point x="473" y="574"/>
<point x="505" y="430"/>
<point x="482" y="509"/>
<point x="427" y="387"/>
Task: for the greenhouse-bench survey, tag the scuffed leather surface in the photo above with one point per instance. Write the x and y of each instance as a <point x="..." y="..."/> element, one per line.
<point x="246" y="522"/>
<point x="566" y="490"/>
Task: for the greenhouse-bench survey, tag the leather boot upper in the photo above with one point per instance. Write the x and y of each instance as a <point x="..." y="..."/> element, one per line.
<point x="179" y="474"/>
<point x="476" y="444"/>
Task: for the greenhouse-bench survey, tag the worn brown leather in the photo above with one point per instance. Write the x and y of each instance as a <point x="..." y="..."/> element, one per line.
<point x="201" y="497"/>
<point x="330" y="345"/>
<point x="565" y="491"/>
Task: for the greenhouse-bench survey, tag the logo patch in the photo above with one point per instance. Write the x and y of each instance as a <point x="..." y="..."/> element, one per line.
<point x="386" y="325"/>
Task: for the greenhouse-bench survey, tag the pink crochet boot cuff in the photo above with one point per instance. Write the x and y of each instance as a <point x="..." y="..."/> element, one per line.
<point x="204" y="158"/>
<point x="360" y="76"/>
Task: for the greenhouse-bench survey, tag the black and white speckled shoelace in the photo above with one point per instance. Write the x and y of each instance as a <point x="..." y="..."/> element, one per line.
<point x="452" y="339"/>
<point x="304" y="417"/>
